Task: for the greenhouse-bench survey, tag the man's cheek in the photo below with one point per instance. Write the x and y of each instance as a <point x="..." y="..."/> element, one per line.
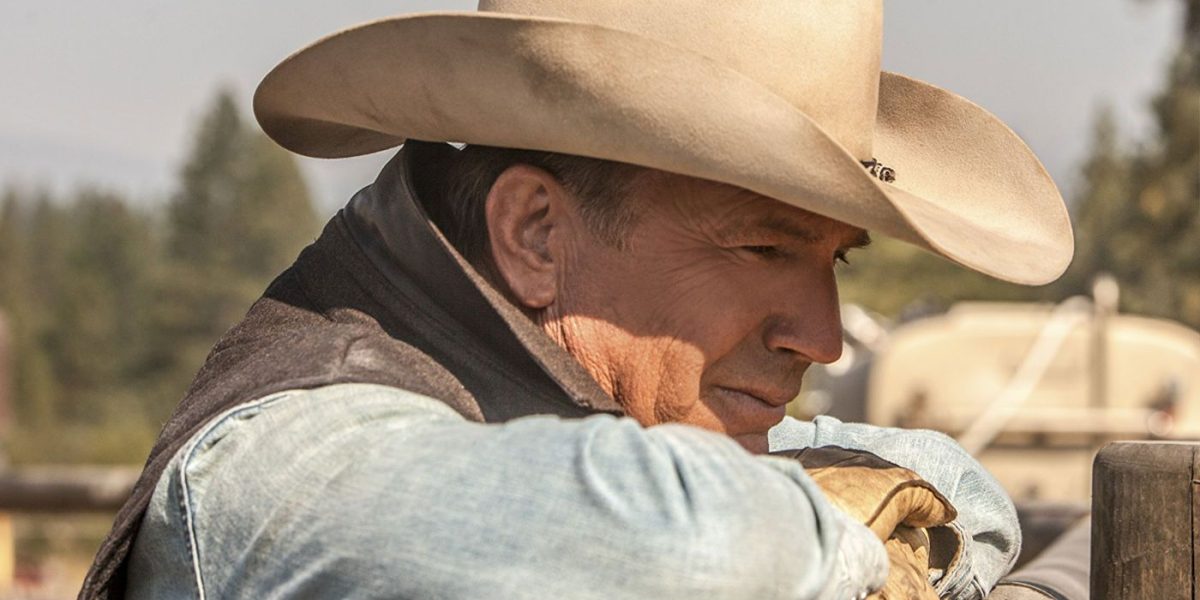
<point x="686" y="285"/>
<point x="669" y="371"/>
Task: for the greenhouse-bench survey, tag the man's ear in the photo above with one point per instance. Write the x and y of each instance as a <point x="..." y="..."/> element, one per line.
<point x="527" y="220"/>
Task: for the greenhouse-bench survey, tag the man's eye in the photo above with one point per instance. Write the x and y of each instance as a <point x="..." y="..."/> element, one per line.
<point x="768" y="251"/>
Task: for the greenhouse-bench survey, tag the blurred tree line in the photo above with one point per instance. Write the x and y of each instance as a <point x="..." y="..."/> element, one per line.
<point x="112" y="308"/>
<point x="1136" y="216"/>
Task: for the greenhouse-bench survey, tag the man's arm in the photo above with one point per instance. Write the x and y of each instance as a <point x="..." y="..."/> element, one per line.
<point x="367" y="491"/>
<point x="987" y="520"/>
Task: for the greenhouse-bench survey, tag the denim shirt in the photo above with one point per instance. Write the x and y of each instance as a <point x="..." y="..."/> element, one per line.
<point x="367" y="491"/>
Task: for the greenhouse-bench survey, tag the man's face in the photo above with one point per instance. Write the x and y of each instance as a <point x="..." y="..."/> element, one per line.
<point x="713" y="310"/>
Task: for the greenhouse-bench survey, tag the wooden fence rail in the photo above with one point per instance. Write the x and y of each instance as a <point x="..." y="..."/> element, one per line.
<point x="76" y="489"/>
<point x="56" y="490"/>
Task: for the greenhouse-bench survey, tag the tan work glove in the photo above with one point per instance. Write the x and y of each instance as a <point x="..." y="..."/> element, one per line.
<point x="895" y="503"/>
<point x="908" y="566"/>
<point x="873" y="491"/>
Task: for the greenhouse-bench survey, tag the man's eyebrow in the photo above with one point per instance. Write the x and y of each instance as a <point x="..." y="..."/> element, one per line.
<point x="805" y="234"/>
<point x="787" y="227"/>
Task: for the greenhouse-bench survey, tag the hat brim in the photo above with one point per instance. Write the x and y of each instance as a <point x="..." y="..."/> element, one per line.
<point x="967" y="187"/>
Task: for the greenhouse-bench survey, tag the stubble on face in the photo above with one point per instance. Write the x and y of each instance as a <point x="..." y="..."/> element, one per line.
<point x="694" y="320"/>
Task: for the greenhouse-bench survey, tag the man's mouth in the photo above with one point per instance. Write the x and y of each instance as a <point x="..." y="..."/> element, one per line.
<point x="776" y="398"/>
<point x="773" y="397"/>
<point x="754" y="409"/>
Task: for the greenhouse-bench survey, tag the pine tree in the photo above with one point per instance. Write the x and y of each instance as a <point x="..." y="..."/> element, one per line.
<point x="12" y="259"/>
<point x="111" y="310"/>
<point x="240" y="215"/>
<point x="273" y="218"/>
<point x="32" y="386"/>
<point x="1139" y="215"/>
<point x="102" y="307"/>
<point x="1102" y="208"/>
<point x="208" y="185"/>
<point x="1168" y="193"/>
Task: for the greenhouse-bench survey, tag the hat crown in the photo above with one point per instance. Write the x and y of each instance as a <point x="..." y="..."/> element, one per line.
<point x="822" y="56"/>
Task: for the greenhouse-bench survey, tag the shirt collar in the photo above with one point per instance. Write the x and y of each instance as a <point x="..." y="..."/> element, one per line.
<point x="388" y="221"/>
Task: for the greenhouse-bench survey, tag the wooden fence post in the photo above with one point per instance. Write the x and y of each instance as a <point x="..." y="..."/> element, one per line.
<point x="1145" y="521"/>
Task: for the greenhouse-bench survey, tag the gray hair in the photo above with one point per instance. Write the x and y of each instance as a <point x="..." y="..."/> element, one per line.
<point x="600" y="187"/>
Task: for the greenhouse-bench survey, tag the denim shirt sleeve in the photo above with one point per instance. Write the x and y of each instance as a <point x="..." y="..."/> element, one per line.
<point x="987" y="520"/>
<point x="363" y="491"/>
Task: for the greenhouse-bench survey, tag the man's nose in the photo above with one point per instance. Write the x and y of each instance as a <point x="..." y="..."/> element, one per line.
<point x="808" y="324"/>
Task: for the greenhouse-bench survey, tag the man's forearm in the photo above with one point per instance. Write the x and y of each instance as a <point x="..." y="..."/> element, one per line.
<point x="400" y="495"/>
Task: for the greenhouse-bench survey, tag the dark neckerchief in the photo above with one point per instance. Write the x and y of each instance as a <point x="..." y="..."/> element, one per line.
<point x="379" y="297"/>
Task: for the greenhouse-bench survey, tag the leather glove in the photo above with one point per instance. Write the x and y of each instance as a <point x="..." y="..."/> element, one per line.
<point x="908" y="562"/>
<point x="873" y="491"/>
<point x="895" y="503"/>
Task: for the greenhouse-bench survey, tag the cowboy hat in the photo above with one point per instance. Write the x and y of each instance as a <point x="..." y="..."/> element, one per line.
<point x="781" y="97"/>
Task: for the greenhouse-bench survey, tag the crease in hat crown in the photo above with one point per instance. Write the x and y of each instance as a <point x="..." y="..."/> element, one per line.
<point x="824" y="54"/>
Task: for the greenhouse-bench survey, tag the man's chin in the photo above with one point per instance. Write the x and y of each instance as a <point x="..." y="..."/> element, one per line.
<point x="755" y="443"/>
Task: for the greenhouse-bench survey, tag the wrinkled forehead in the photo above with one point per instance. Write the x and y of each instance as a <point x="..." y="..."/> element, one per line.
<point x="731" y="210"/>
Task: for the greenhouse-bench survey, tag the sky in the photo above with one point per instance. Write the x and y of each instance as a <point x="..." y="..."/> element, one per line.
<point x="108" y="93"/>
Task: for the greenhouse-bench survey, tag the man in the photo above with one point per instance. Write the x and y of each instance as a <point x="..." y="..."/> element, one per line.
<point x="547" y="364"/>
